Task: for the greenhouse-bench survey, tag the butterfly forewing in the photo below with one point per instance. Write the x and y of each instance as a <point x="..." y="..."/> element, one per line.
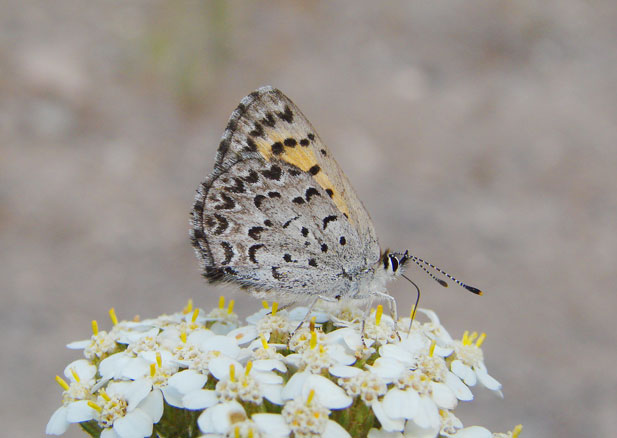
<point x="278" y="213"/>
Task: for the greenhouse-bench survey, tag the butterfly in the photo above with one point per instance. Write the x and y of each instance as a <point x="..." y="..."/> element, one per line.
<point x="278" y="216"/>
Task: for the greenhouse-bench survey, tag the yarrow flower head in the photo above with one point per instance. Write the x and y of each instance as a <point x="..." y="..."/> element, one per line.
<point x="285" y="373"/>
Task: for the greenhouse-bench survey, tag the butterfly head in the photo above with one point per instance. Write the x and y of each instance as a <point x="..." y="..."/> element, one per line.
<point x="393" y="262"/>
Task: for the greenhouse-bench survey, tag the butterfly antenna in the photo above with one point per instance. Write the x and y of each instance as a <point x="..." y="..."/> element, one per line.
<point x="415" y="306"/>
<point x="423" y="263"/>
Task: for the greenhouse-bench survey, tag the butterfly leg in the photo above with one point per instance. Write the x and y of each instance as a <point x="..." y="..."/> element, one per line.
<point x="392" y="308"/>
<point x="310" y="309"/>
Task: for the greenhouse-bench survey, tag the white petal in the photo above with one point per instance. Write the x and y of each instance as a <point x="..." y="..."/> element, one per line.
<point x="197" y="337"/>
<point x="269" y="365"/>
<point x="57" y="424"/>
<point x="327" y="393"/>
<point x="378" y="433"/>
<point x="217" y="418"/>
<point x="173" y="397"/>
<point x="118" y="388"/>
<point x="224" y="344"/>
<point x="200" y="399"/>
<point x="461" y="390"/>
<point x="271" y="425"/>
<point x="427" y="414"/>
<point x="415" y="343"/>
<point x="387" y="423"/>
<point x="412" y="430"/>
<point x="112" y="366"/>
<point x="473" y="432"/>
<point x="443" y="351"/>
<point x="432" y="412"/>
<point x="443" y="396"/>
<point x="257" y="316"/>
<point x="129" y="337"/>
<point x="464" y="372"/>
<point x="83" y="368"/>
<point x="79" y="411"/>
<point x="293" y="359"/>
<point x="486" y="379"/>
<point x="272" y="393"/>
<point x="397" y="352"/>
<point x="344" y="371"/>
<point x="340" y="355"/>
<point x="187" y="381"/>
<point x="387" y="368"/>
<point x="299" y="314"/>
<point x="152" y="405"/>
<point x="135" y="368"/>
<point x="134" y="425"/>
<point x="401" y="404"/>
<point x="109" y="433"/>
<point x="151" y="356"/>
<point x="293" y="387"/>
<point x="219" y="367"/>
<point x="334" y="430"/>
<point x="78" y="345"/>
<point x="267" y="378"/>
<point x="243" y="335"/>
<point x="136" y="392"/>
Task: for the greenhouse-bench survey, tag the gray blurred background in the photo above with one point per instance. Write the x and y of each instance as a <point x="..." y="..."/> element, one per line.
<point x="481" y="135"/>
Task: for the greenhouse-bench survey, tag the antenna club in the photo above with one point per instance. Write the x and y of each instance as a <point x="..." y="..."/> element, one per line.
<point x="474" y="290"/>
<point x="442" y="282"/>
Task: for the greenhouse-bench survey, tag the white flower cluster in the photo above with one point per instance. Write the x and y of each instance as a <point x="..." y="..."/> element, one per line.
<point x="177" y="374"/>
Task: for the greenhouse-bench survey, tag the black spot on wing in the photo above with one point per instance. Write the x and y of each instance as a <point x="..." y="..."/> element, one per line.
<point x="323" y="152"/>
<point x="314" y="170"/>
<point x="277" y="148"/>
<point x="312" y="262"/>
<point x="222" y="224"/>
<point x="238" y="186"/>
<point x="304" y="231"/>
<point x="324" y="247"/>
<point x="258" y="199"/>
<point x="274" y="173"/>
<point x="311" y="136"/>
<point x="342" y="240"/>
<point x="268" y="120"/>
<point x="274" y="194"/>
<point x="328" y="219"/>
<point x="227" y="204"/>
<point x="298" y="200"/>
<point x="286" y="224"/>
<point x="255" y="232"/>
<point x="304" y="142"/>
<point x="268" y="223"/>
<point x="330" y="192"/>
<point x="258" y="131"/>
<point x="275" y="273"/>
<point x="229" y="252"/>
<point x="286" y="115"/>
<point x="253" y="251"/>
<point x="252" y="177"/>
<point x="290" y="142"/>
<point x="310" y="192"/>
<point x="251" y="146"/>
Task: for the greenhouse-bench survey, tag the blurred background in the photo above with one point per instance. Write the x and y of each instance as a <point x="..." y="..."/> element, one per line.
<point x="480" y="135"/>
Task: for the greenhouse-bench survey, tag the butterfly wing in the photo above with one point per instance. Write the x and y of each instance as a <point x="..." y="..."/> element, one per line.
<point x="278" y="213"/>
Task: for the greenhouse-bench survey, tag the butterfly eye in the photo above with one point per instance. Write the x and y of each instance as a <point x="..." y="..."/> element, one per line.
<point x="394" y="263"/>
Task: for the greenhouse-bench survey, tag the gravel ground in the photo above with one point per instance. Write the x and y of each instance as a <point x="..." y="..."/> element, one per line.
<point x="480" y="135"/>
